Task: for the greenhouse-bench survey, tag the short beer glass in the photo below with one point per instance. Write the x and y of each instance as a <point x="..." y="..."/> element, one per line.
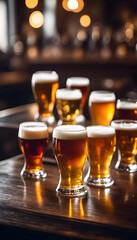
<point x="44" y="86"/>
<point x="102" y="107"/>
<point x="101" y="147"/>
<point x="126" y="138"/>
<point x="68" y="105"/>
<point x="70" y="150"/>
<point x="126" y="109"/>
<point x="83" y="84"/>
<point x="33" y="140"/>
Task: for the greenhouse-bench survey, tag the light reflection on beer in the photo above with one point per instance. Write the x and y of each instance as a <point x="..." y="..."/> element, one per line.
<point x="81" y="83"/>
<point x="126" y="137"/>
<point x="68" y="105"/>
<point x="70" y="208"/>
<point x="70" y="150"/>
<point x="33" y="139"/>
<point x="44" y="87"/>
<point x="126" y="109"/>
<point x="102" y="107"/>
<point x="101" y="147"/>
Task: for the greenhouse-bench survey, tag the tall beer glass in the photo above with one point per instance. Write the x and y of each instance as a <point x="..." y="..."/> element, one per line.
<point x="126" y="109"/>
<point x="33" y="140"/>
<point x="44" y="86"/>
<point x="68" y="105"/>
<point x="70" y="150"/>
<point x="101" y="147"/>
<point x="102" y="107"/>
<point x="126" y="138"/>
<point x="83" y="84"/>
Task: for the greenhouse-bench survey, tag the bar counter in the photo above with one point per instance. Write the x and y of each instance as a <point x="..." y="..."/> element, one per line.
<point x="33" y="209"/>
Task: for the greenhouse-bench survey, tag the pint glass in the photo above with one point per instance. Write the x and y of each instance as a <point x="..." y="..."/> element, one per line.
<point x="101" y="147"/>
<point x="33" y="140"/>
<point x="44" y="86"/>
<point x="83" y="84"/>
<point x="102" y="107"/>
<point x="68" y="105"/>
<point x="70" y="150"/>
<point x="126" y="138"/>
<point x="126" y="109"/>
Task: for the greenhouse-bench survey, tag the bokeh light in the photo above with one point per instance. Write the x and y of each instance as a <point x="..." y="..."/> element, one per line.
<point x="31" y="3"/>
<point x="80" y="6"/>
<point x="36" y="19"/>
<point x="72" y="4"/>
<point x="85" y="21"/>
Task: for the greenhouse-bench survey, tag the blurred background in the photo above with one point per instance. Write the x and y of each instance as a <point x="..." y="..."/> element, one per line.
<point x="91" y="38"/>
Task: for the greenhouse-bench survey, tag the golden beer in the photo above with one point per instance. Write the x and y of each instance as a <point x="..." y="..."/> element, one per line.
<point x="70" y="150"/>
<point x="126" y="138"/>
<point x="102" y="107"/>
<point x="126" y="109"/>
<point x="101" y="147"/>
<point x="81" y="83"/>
<point x="33" y="140"/>
<point x="68" y="105"/>
<point x="44" y="86"/>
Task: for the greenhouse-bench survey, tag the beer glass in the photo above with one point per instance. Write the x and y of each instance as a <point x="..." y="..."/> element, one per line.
<point x="33" y="140"/>
<point x="83" y="84"/>
<point x="126" y="138"/>
<point x="101" y="147"/>
<point x="126" y="109"/>
<point x="102" y="107"/>
<point x="70" y="150"/>
<point x="44" y="86"/>
<point x="68" y="105"/>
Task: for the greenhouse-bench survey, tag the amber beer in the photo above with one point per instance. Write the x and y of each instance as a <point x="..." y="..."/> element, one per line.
<point x="33" y="140"/>
<point x="44" y="86"/>
<point x="81" y="83"/>
<point x="68" y="105"/>
<point x="126" y="109"/>
<point x="126" y="137"/>
<point x="102" y="107"/>
<point x="101" y="147"/>
<point x="70" y="150"/>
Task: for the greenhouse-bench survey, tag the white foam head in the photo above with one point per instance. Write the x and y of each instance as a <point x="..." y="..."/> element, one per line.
<point x="126" y="104"/>
<point x="33" y="130"/>
<point x="70" y="132"/>
<point x="68" y="94"/>
<point x="124" y="125"/>
<point x="77" y="81"/>
<point x="100" y="131"/>
<point x="101" y="96"/>
<point x="44" y="76"/>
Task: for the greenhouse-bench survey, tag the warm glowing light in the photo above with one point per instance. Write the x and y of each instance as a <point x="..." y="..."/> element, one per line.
<point x="72" y="4"/>
<point x="85" y="21"/>
<point x="36" y="19"/>
<point x="129" y="33"/>
<point x="80" y="6"/>
<point x="82" y="35"/>
<point x="31" y="3"/>
<point x="65" y="5"/>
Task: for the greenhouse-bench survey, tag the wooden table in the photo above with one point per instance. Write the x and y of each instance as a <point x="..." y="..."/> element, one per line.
<point x="32" y="209"/>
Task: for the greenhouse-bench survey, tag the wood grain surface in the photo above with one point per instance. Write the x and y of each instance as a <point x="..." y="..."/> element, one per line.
<point x="34" y="205"/>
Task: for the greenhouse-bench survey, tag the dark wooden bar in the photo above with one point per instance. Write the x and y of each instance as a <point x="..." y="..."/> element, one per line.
<point x="32" y="209"/>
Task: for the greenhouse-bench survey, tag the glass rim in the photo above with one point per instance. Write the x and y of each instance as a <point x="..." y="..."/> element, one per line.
<point x="70" y="132"/>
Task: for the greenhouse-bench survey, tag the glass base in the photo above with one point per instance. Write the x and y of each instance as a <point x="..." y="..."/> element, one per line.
<point x="80" y="119"/>
<point x="48" y="120"/>
<point x="34" y="175"/>
<point x="100" y="182"/>
<point x="78" y="192"/>
<point x="127" y="168"/>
